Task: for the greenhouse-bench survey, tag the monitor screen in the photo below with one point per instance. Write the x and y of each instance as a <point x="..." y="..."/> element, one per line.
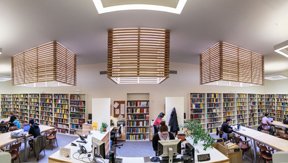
<point x="164" y="145"/>
<point x="98" y="148"/>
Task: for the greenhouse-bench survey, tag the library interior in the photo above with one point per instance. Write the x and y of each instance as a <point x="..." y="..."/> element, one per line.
<point x="139" y="81"/>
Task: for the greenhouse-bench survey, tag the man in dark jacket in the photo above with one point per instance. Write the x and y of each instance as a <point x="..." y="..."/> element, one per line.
<point x="34" y="128"/>
<point x="227" y="129"/>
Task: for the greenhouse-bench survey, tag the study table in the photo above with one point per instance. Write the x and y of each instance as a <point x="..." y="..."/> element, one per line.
<point x="6" y="138"/>
<point x="279" y="124"/>
<point x="270" y="140"/>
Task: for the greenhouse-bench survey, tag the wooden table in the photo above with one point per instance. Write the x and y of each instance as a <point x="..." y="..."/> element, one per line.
<point x="272" y="141"/>
<point x="279" y="124"/>
<point x="6" y="138"/>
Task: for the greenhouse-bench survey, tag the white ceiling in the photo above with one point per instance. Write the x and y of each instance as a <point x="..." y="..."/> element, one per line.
<point x="253" y="24"/>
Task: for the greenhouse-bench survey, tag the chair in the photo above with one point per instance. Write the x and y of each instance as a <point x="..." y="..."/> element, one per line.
<point x="14" y="151"/>
<point x="264" y="152"/>
<point x="13" y="128"/>
<point x="115" y="134"/>
<point x="52" y="137"/>
<point x="5" y="157"/>
<point x="39" y="145"/>
<point x="243" y="145"/>
<point x="3" y="127"/>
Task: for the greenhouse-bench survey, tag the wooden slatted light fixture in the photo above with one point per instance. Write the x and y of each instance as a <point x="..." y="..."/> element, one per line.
<point x="47" y="65"/>
<point x="225" y="64"/>
<point x="138" y="55"/>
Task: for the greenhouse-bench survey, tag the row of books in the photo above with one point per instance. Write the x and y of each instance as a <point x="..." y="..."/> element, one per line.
<point x="137" y="110"/>
<point x="138" y="103"/>
<point x="137" y="130"/>
<point x="137" y="123"/>
<point x="137" y="137"/>
<point x="136" y="117"/>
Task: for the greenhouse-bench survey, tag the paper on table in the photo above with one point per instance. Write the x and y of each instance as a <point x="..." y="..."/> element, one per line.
<point x="122" y="108"/>
<point x="116" y="104"/>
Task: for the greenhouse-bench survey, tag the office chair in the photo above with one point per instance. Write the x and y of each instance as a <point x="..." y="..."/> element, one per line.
<point x="114" y="136"/>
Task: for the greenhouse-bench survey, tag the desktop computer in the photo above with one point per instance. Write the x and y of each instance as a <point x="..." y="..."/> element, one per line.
<point x="168" y="150"/>
<point x="98" y="148"/>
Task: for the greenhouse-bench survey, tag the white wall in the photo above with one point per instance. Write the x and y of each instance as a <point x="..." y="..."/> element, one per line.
<point x="101" y="111"/>
<point x="94" y="85"/>
<point x="276" y="87"/>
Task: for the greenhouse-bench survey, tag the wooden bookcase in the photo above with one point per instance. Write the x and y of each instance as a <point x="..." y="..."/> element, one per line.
<point x="197" y="108"/>
<point x="138" y="123"/>
<point x="34" y="107"/>
<point x="261" y="106"/>
<point x="46" y="109"/>
<point x="23" y="107"/>
<point x="281" y="106"/>
<point x="229" y="107"/>
<point x="253" y="110"/>
<point x="15" y="105"/>
<point x="6" y="105"/>
<point x="270" y="104"/>
<point x="77" y="111"/>
<point x="242" y="109"/>
<point x="214" y="112"/>
<point x="61" y="112"/>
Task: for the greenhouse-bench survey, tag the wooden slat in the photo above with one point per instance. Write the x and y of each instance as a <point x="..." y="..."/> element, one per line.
<point x="227" y="62"/>
<point x="47" y="62"/>
<point x="136" y="52"/>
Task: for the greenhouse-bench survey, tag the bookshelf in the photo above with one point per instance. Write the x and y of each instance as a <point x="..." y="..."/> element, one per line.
<point x="197" y="108"/>
<point x="270" y="104"/>
<point x="23" y="108"/>
<point x="138" y="126"/>
<point x="34" y="107"/>
<point x="214" y="112"/>
<point x="229" y="107"/>
<point x="281" y="106"/>
<point x="241" y="108"/>
<point x="261" y="106"/>
<point x="6" y="105"/>
<point x="46" y="109"/>
<point x="61" y="112"/>
<point x="253" y="110"/>
<point x="77" y="111"/>
<point x="15" y="105"/>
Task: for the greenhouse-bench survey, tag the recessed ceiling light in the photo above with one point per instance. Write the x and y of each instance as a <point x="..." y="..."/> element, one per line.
<point x="282" y="48"/>
<point x="172" y="6"/>
<point x="276" y="77"/>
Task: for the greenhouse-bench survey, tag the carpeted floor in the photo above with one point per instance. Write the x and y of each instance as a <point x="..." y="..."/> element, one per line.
<point x="63" y="140"/>
<point x="135" y="149"/>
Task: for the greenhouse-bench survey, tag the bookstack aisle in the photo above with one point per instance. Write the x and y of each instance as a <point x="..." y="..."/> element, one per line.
<point x="23" y="106"/>
<point x="6" y="105"/>
<point x="270" y="105"/>
<point x="261" y="106"/>
<point x="241" y="108"/>
<point x="34" y="107"/>
<point x="61" y="112"/>
<point x="252" y="110"/>
<point x="281" y="106"/>
<point x="214" y="112"/>
<point x="197" y="110"/>
<point x="229" y="107"/>
<point x="77" y="111"/>
<point x="46" y="109"/>
<point x="137" y="120"/>
<point x="15" y="105"/>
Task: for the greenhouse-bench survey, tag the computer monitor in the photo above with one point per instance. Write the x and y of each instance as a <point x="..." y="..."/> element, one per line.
<point x="98" y="148"/>
<point x="168" y="149"/>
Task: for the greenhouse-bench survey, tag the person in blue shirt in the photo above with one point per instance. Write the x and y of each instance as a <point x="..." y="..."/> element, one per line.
<point x="17" y="123"/>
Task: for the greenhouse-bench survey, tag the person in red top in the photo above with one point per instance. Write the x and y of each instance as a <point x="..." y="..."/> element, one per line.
<point x="157" y="122"/>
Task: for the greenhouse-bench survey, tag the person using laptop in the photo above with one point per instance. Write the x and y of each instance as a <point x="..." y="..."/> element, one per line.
<point x="227" y="129"/>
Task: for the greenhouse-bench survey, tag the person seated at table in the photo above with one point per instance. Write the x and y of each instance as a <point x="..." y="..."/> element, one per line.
<point x="227" y="129"/>
<point x="17" y="123"/>
<point x="34" y="131"/>
<point x="12" y="119"/>
<point x="163" y="134"/>
<point x="285" y="121"/>
<point x="266" y="124"/>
